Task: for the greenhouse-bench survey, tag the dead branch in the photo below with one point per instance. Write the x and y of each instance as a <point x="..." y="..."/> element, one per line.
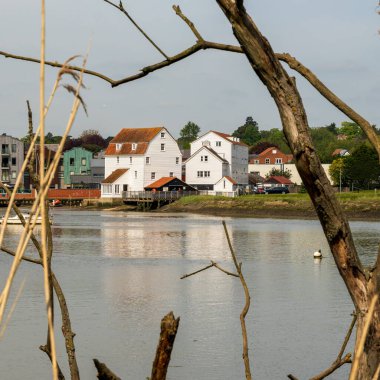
<point x="121" y="8"/>
<point x="212" y="265"/>
<point x="169" y="327"/>
<point x="47" y="350"/>
<point x="333" y="99"/>
<point x="104" y="373"/>
<point x="339" y="361"/>
<point x="246" y="306"/>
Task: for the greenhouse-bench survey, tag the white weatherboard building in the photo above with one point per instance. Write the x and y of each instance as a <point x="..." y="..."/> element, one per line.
<point x="214" y="156"/>
<point x="136" y="157"/>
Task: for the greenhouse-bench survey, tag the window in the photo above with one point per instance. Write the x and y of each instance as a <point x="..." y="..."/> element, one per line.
<point x="199" y="174"/>
<point x="162" y="135"/>
<point x="206" y="158"/>
<point x="278" y="160"/>
<point x="201" y="158"/>
<point x="135" y="173"/>
<point x="171" y="174"/>
<point x="274" y="151"/>
<point x="267" y="161"/>
<point x="84" y="162"/>
<point x="117" y="189"/>
<point x="207" y="174"/>
<point x="177" y="160"/>
<point x="153" y="175"/>
<point x="107" y="189"/>
<point x="13" y="148"/>
<point x="13" y="174"/>
<point x="147" y="160"/>
<point x="117" y="159"/>
<point x="162" y="147"/>
<point x="130" y="160"/>
<point x="14" y="161"/>
<point x="5" y="175"/>
<point x="256" y="161"/>
<point x="218" y="143"/>
<point x="118" y="146"/>
<point x="134" y="146"/>
<point x="71" y="161"/>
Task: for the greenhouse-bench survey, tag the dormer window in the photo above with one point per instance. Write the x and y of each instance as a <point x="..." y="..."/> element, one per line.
<point x="118" y="146"/>
<point x="162" y="135"/>
<point x="134" y="146"/>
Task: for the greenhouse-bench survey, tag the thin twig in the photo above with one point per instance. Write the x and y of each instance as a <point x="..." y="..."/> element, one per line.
<point x="246" y="306"/>
<point x="213" y="264"/>
<point x="121" y="8"/>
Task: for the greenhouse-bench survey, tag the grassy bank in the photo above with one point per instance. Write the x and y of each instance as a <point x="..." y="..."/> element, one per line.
<point x="361" y="205"/>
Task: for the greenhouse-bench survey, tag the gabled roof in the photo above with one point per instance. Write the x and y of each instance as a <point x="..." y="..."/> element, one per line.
<point x="229" y="138"/>
<point x="210" y="151"/>
<point x="129" y="136"/>
<point x="279" y="179"/>
<point x="230" y="179"/>
<point x="160" y="182"/>
<point x="115" y="175"/>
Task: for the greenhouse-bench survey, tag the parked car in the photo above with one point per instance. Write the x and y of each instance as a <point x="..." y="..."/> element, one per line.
<point x="258" y="190"/>
<point x="277" y="190"/>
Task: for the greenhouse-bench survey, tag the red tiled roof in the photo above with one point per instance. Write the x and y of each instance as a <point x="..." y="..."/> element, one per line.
<point x="114" y="175"/>
<point x="267" y="150"/>
<point x="229" y="138"/>
<point x="280" y="179"/>
<point x="230" y="179"/>
<point x="160" y="182"/>
<point x="127" y="136"/>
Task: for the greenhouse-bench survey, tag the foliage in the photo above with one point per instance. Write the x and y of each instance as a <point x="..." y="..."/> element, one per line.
<point x="362" y="166"/>
<point x="351" y="130"/>
<point x="276" y="138"/>
<point x="337" y="171"/>
<point x="278" y="172"/>
<point x="249" y="132"/>
<point x="261" y="146"/>
<point x="89" y="139"/>
<point x="188" y="134"/>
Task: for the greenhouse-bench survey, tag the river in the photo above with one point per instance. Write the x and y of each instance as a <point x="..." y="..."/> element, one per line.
<point x="121" y="273"/>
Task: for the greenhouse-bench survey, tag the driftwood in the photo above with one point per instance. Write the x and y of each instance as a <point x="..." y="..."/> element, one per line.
<point x="169" y="327"/>
<point x="104" y="373"/>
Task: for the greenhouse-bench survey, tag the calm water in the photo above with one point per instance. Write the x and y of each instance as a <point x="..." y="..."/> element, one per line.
<point x="121" y="274"/>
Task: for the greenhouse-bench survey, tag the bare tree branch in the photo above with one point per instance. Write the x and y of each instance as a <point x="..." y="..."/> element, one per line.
<point x="213" y="264"/>
<point x="121" y="8"/>
<point x="333" y="99"/>
<point x="246" y="306"/>
<point x="104" y="373"/>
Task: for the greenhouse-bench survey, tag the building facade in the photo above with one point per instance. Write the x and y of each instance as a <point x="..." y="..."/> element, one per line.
<point x="137" y="157"/>
<point x="271" y="156"/>
<point x="214" y="156"/>
<point x="76" y="162"/>
<point x="12" y="158"/>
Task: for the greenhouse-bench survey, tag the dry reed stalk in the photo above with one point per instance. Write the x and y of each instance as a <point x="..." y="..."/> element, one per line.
<point x="43" y="210"/>
<point x="359" y="351"/>
<point x="18" y="295"/>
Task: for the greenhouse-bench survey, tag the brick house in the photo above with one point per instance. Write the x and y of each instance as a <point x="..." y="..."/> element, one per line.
<point x="271" y="156"/>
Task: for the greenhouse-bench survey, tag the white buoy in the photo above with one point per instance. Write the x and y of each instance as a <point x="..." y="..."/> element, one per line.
<point x="317" y="254"/>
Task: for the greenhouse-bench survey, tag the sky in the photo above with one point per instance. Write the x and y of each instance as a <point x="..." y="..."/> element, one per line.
<point x="338" y="40"/>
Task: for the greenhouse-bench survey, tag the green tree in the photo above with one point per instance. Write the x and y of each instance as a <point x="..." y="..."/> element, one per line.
<point x="278" y="172"/>
<point x="362" y="167"/>
<point x="337" y="171"/>
<point x="249" y="132"/>
<point x="351" y="130"/>
<point x="275" y="137"/>
<point x="188" y="134"/>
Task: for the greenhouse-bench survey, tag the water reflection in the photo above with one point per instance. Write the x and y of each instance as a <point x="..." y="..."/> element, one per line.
<point x="121" y="274"/>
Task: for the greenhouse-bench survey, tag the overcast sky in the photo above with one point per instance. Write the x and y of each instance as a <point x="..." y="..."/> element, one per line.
<point x="337" y="39"/>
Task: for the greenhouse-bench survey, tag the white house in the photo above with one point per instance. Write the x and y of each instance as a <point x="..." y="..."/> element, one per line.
<point x="214" y="156"/>
<point x="136" y="157"/>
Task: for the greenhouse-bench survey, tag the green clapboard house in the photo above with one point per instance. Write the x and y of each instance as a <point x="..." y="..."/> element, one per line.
<point x="76" y="162"/>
